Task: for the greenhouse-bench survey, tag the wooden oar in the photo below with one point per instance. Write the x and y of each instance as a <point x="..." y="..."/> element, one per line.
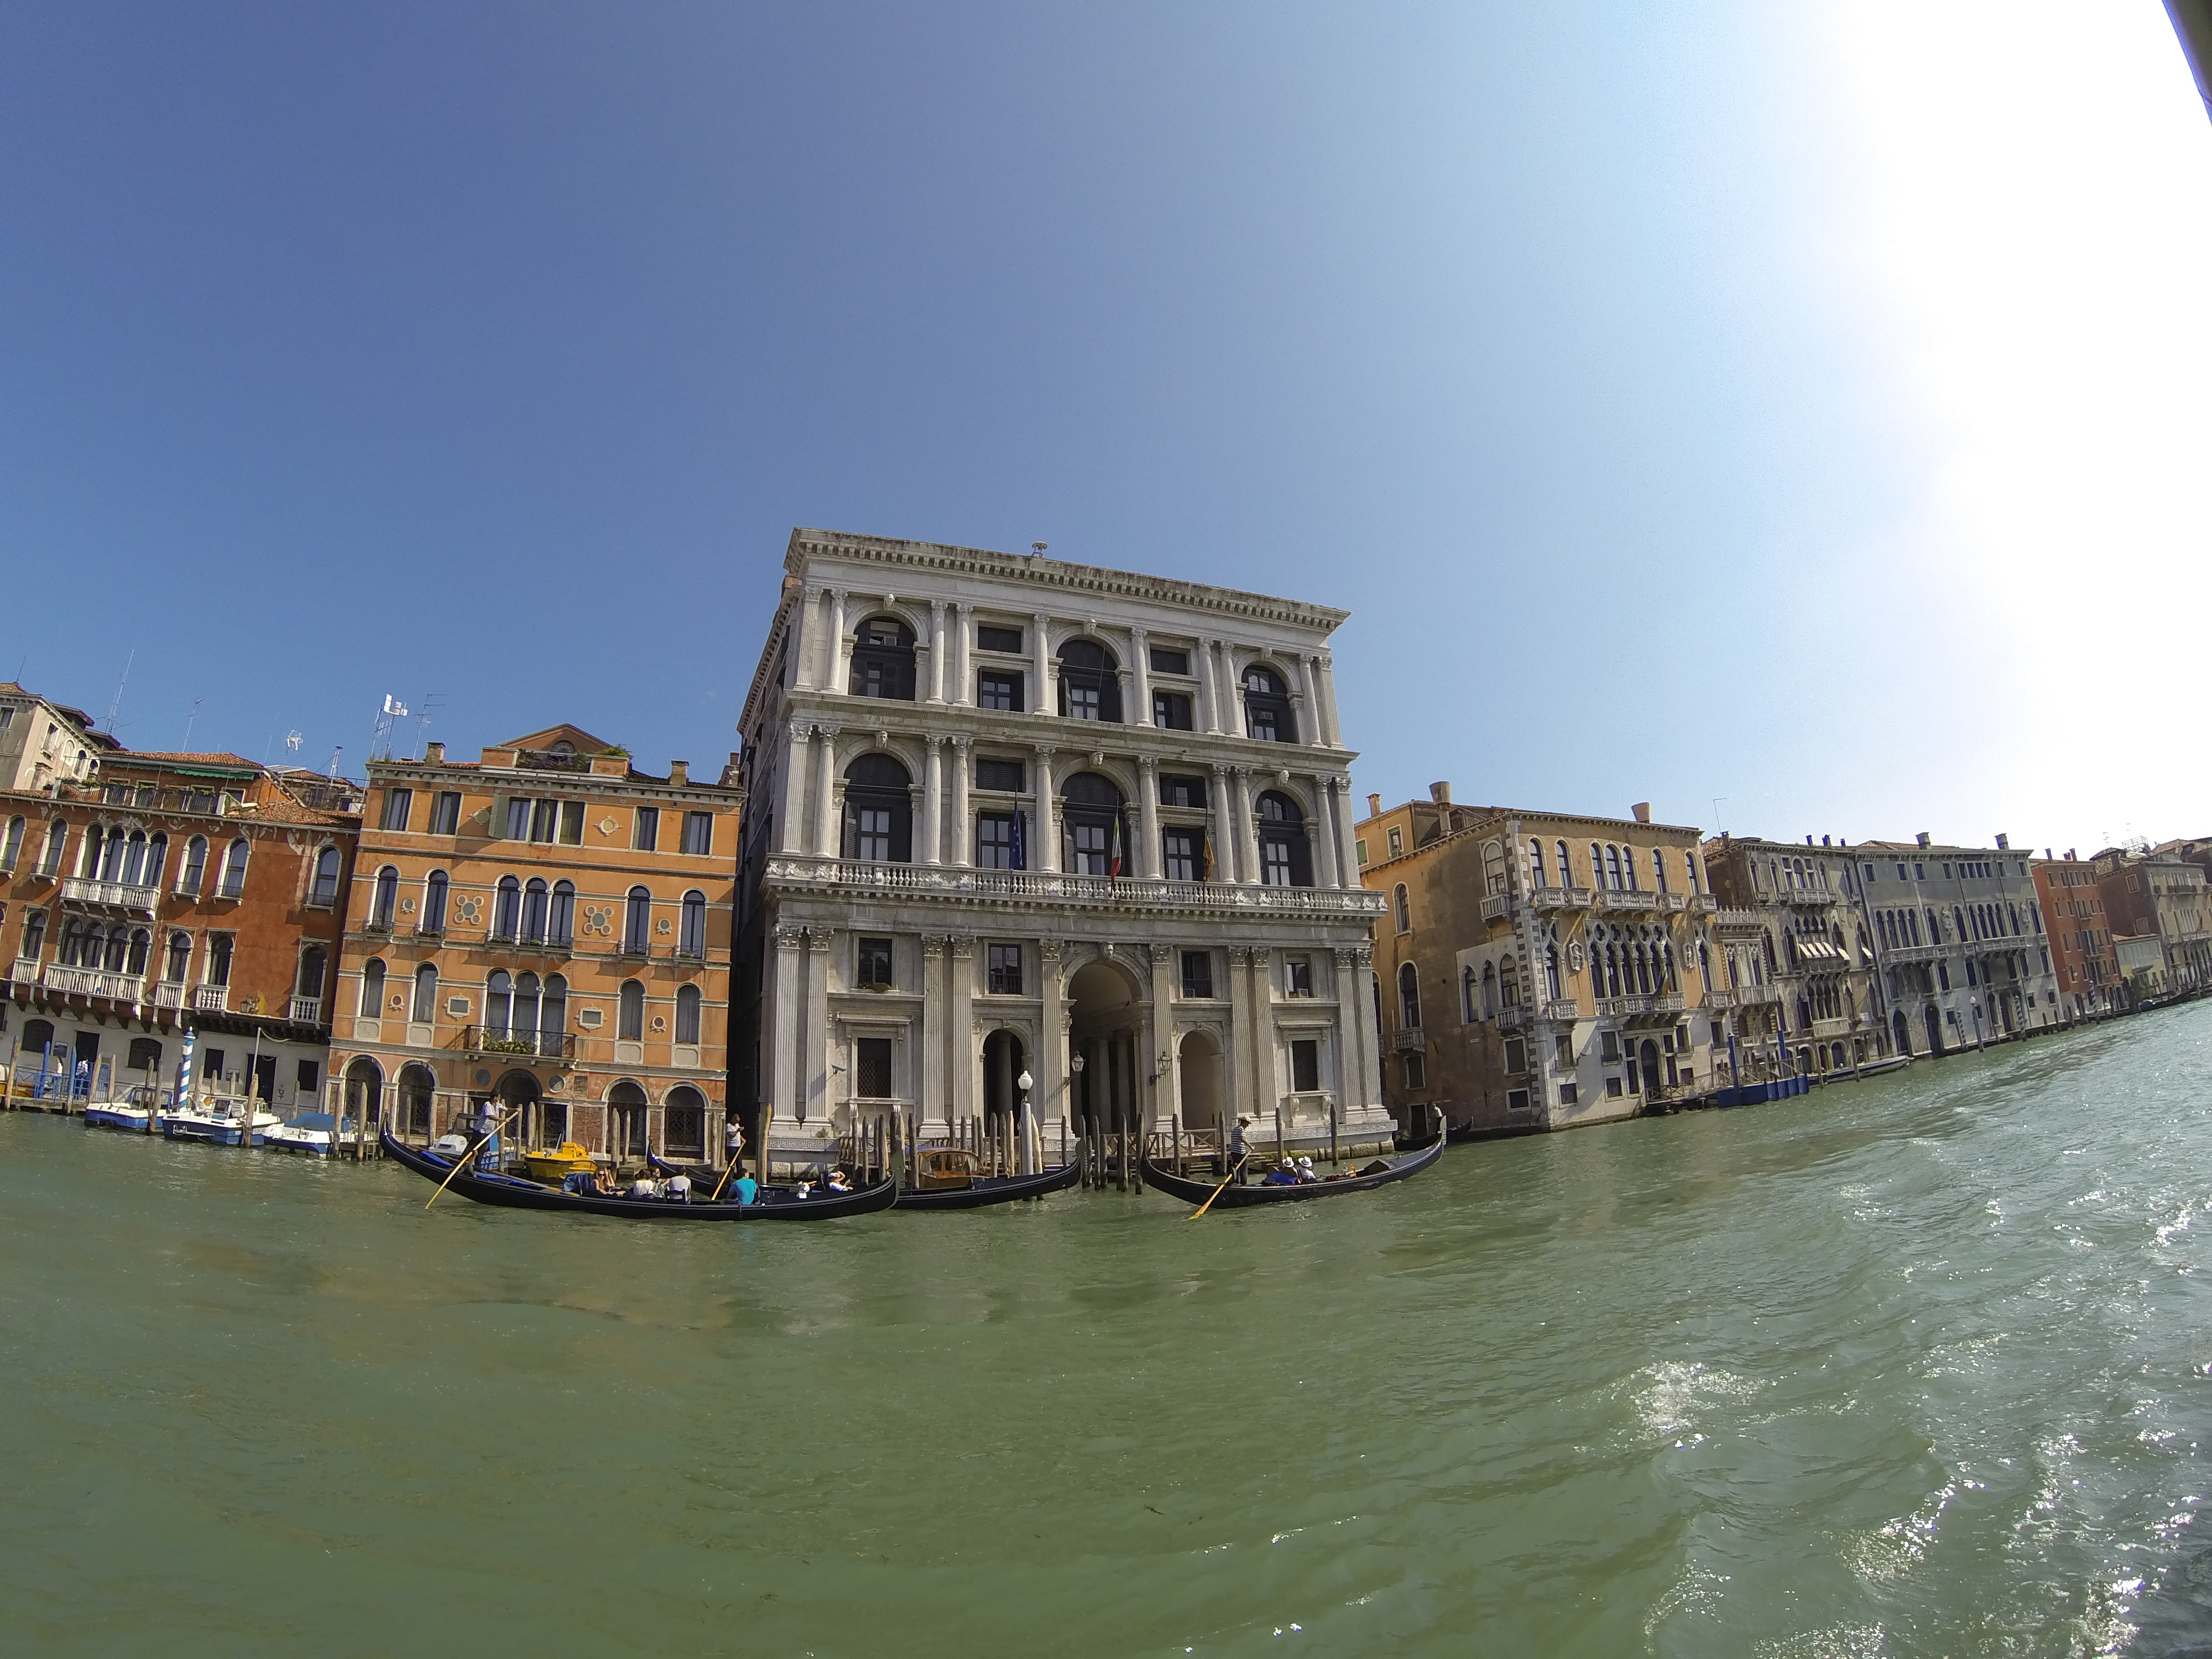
<point x="1217" y="1191"/>
<point x="731" y="1171"/>
<point x="462" y="1162"/>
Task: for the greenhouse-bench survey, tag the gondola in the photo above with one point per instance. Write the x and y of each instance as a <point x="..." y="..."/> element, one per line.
<point x="513" y="1192"/>
<point x="1381" y="1173"/>
<point x="995" y="1189"/>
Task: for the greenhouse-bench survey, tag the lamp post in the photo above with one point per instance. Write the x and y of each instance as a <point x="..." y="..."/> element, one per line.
<point x="1022" y="1084"/>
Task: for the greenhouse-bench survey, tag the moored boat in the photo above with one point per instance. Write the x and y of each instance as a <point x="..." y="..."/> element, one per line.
<point x="137" y="1113"/>
<point x="1381" y="1172"/>
<point x="317" y="1135"/>
<point x="514" y="1192"/>
<point x="945" y="1178"/>
<point x="222" y="1121"/>
<point x="552" y="1164"/>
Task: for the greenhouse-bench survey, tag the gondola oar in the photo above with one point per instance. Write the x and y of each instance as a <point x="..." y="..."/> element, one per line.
<point x="462" y="1162"/>
<point x="1217" y="1191"/>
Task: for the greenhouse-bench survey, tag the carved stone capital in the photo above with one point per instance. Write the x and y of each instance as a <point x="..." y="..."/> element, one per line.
<point x="960" y="742"/>
<point x="932" y="740"/>
<point x="1240" y="956"/>
<point x="934" y="944"/>
<point x="1163" y="955"/>
<point x="1345" y="956"/>
<point x="1050" y="949"/>
<point x="789" y="935"/>
<point x="818" y="939"/>
<point x="1363" y="955"/>
<point x="963" y="945"/>
<point x="840" y="594"/>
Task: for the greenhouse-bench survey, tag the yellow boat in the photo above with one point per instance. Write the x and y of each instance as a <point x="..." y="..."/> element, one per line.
<point x="568" y="1158"/>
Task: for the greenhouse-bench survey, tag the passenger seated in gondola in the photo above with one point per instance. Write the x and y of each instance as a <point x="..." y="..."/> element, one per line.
<point x="747" y="1189"/>
<point x="1306" y="1175"/>
<point x="643" y="1187"/>
<point x="679" y="1187"/>
<point x="1284" y="1174"/>
<point x="580" y="1183"/>
<point x="837" y="1183"/>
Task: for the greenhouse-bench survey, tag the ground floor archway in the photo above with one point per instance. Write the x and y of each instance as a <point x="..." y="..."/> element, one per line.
<point x="363" y="1097"/>
<point x="1201" y="1077"/>
<point x="626" y="1121"/>
<point x="1901" y="1029"/>
<point x="1648" y="1055"/>
<point x="417" y="1089"/>
<point x="537" y="1121"/>
<point x="1004" y="1059"/>
<point x="1104" y="1093"/>
<point x="1935" y="1029"/>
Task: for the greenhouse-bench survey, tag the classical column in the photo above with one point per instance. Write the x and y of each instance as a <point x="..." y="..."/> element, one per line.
<point x="1049" y="1068"/>
<point x="1247" y="840"/>
<point x="1348" y="850"/>
<point x="937" y="651"/>
<point x="1262" y="1033"/>
<point x="828" y="832"/>
<point x="1125" y="681"/>
<point x="1167" y="1096"/>
<point x="1209" y="694"/>
<point x="960" y="1092"/>
<point x="1324" y="832"/>
<point x="1238" y="1062"/>
<point x="1326" y="691"/>
<point x="1140" y="667"/>
<point x="1309" y="727"/>
<point x="799" y="642"/>
<point x="930" y="1090"/>
<point x="1040" y="698"/>
<point x="780" y="1090"/>
<point x="932" y="802"/>
<point x="1355" y="1010"/>
<point x="962" y="672"/>
<point x="815" y="1040"/>
<point x="838" y="644"/>
<point x="1219" y="815"/>
<point x="1148" y="817"/>
<point x="797" y="747"/>
<point x="963" y="833"/>
<point x="1045" y="855"/>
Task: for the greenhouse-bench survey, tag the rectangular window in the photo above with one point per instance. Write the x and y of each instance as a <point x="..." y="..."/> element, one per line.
<point x="310" y="1077"/>
<point x="1198" y="974"/>
<point x="446" y="813"/>
<point x="646" y="834"/>
<point x="1608" y="1047"/>
<point x="1087" y="841"/>
<point x="34" y="934"/>
<point x="872" y="968"/>
<point x="1417" y="1073"/>
<point x="1275" y="863"/>
<point x="572" y="824"/>
<point x="544" y="820"/>
<point x="211" y="1064"/>
<point x="1562" y="1052"/>
<point x="1171" y="711"/>
<point x="1176" y="790"/>
<point x="1003" y="969"/>
<point x="398" y="803"/>
<point x="995" y="841"/>
<point x="1305" y="1065"/>
<point x="1166" y="659"/>
<point x="1568" y="1094"/>
<point x="1516" y="1056"/>
<point x="1082" y="702"/>
<point x="1613" y="1089"/>
<point x="1397" y="844"/>
<point x="1007" y="774"/>
<point x="1001" y="691"/>
<point x="699" y="833"/>
<point x="1919" y="873"/>
<point x="872" y="1068"/>
<point x="518" y="818"/>
<point x="989" y="638"/>
<point x="1179" y="855"/>
<point x="1359" y="850"/>
<point x="1297" y="976"/>
<point x="872" y="834"/>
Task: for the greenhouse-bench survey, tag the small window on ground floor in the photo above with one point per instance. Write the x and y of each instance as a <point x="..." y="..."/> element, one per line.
<point x="1567" y="1094"/>
<point x="872" y="1068"/>
<point x="1305" y="1065"/>
<point x="1516" y="1100"/>
<point x="1516" y="1056"/>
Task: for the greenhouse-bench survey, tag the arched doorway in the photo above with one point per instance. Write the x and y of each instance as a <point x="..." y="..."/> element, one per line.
<point x="1004" y="1062"/>
<point x="1201" y="1081"/>
<point x="537" y="1121"/>
<point x="1901" y="1029"/>
<point x="417" y="1088"/>
<point x="1103" y="1036"/>
<point x="1934" y="1030"/>
<point x="38" y="1036"/>
<point x="626" y="1124"/>
<point x="1648" y="1057"/>
<point x="685" y="1135"/>
<point x="364" y="1093"/>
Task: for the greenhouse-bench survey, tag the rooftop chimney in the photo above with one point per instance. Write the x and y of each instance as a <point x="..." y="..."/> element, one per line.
<point x="1375" y="806"/>
<point x="1921" y="839"/>
<point x="679" y="772"/>
<point x="2004" y="845"/>
<point x="2070" y="856"/>
<point x="1823" y="841"/>
<point x="1440" y="793"/>
<point x="1643" y="811"/>
<point x="1808" y="840"/>
<point x="435" y="754"/>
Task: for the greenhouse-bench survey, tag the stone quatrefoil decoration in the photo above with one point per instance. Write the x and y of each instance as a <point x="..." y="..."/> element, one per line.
<point x="606" y="826"/>
<point x="661" y="926"/>
<point x="598" y="918"/>
<point x="468" y="908"/>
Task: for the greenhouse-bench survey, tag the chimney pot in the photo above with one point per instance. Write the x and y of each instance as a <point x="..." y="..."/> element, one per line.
<point x="1642" y="811"/>
<point x="1921" y="839"/>
<point x="1440" y="793"/>
<point x="2004" y="844"/>
<point x="1375" y="806"/>
<point x="1823" y="841"/>
<point x="435" y="754"/>
<point x="679" y="772"/>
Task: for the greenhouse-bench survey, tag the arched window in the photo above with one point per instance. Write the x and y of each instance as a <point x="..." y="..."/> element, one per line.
<point x="1597" y="866"/>
<point x="534" y="896"/>
<point x="386" y="901"/>
<point x="324" y="893"/>
<point x="1409" y="997"/>
<point x="1267" y="713"/>
<point x="1089" y="682"/>
<point x="1552" y="971"/>
<point x="309" y="981"/>
<point x="687" y="1013"/>
<point x="194" y="872"/>
<point x="72" y="944"/>
<point x="1628" y="866"/>
<point x="883" y="660"/>
<point x="424" y="1010"/>
<point x="507" y="909"/>
<point x="134" y="859"/>
<point x="499" y="1002"/>
<point x="1690" y="864"/>
<point x="1705" y="965"/>
<point x="630" y="1017"/>
<point x="434" y="903"/>
<point x="181" y="958"/>
<point x="1536" y="876"/>
<point x="878" y="811"/>
<point x="372" y="989"/>
<point x="1285" y="854"/>
<point x="637" y="923"/>
<point x="1091" y="825"/>
<point x="157" y="855"/>
<point x="1509" y="982"/>
<point x="11" y="848"/>
<point x="553" y="1013"/>
<point x="105" y="859"/>
<point x="233" y="868"/>
<point x="525" y="1007"/>
<point x="118" y="947"/>
<point x="418" y="1087"/>
<point x="1493" y="868"/>
<point x="142" y="947"/>
<point x="1659" y="868"/>
<point x="1489" y="990"/>
<point x="218" y="967"/>
<point x="1469" y="1011"/>
<point x="692" y="940"/>
<point x="560" y="925"/>
<point x="1566" y="875"/>
<point x="687" y="1122"/>
<point x="1399" y="903"/>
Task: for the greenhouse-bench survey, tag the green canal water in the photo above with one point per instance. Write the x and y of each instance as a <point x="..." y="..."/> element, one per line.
<point x="1922" y="1365"/>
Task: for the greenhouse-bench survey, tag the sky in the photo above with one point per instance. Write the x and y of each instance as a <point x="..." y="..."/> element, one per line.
<point x="1790" y="416"/>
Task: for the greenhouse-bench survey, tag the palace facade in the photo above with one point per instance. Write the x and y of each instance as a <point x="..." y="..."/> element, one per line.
<point x="1050" y="848"/>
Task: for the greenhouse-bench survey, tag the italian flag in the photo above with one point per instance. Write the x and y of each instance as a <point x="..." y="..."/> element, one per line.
<point x="1114" y="857"/>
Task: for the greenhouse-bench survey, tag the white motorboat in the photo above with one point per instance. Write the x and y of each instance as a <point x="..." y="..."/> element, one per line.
<point x="318" y="1134"/>
<point x="225" y="1121"/>
<point x="137" y="1113"/>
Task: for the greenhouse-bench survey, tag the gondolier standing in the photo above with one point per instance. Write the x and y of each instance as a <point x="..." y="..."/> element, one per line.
<point x="1235" y="1169"/>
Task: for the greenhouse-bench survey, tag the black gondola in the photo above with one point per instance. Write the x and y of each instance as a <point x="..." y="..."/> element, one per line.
<point x="1381" y="1173"/>
<point x="513" y="1192"/>
<point x="995" y="1189"/>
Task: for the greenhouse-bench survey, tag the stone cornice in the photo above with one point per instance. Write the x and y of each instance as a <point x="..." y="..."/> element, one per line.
<point x="1044" y="891"/>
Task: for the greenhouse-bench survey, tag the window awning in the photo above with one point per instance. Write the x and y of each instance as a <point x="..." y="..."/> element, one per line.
<point x="1819" y="949"/>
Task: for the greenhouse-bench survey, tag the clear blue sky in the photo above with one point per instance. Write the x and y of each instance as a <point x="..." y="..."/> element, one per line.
<point x="1718" y="401"/>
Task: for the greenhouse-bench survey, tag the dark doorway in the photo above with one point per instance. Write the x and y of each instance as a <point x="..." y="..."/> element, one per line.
<point x="1648" y="1055"/>
<point x="1901" y="1029"/>
<point x="1003" y="1066"/>
<point x="1934" y="1030"/>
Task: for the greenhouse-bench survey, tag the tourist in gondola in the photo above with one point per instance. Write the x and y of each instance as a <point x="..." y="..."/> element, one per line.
<point x="746" y="1188"/>
<point x="679" y="1187"/>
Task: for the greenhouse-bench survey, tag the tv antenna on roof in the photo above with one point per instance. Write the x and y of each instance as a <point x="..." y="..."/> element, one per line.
<point x="292" y="742"/>
<point x="380" y="734"/>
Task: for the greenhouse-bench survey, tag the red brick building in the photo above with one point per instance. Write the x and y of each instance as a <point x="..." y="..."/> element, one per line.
<point x="2080" y="936"/>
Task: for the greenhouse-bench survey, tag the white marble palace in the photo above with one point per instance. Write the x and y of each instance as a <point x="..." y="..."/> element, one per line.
<point x="1014" y="817"/>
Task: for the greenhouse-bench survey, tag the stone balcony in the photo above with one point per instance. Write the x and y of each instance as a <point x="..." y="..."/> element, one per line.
<point x="111" y="896"/>
<point x="1640" y="1007"/>
<point x="959" y="885"/>
<point x="113" y="986"/>
<point x="1406" y="1041"/>
<point x="1900" y="955"/>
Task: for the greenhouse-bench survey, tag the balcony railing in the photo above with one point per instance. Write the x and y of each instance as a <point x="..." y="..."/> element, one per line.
<point x="1614" y="898"/>
<point x="111" y="895"/>
<point x="26" y="971"/>
<point x="1638" y="1006"/>
<point x="954" y="883"/>
<point x="1900" y="955"/>
<point x="307" y="1011"/>
<point x="1406" y="1042"/>
<point x="115" y="985"/>
<point x="211" y="999"/>
<point x="1563" y="1008"/>
<point x="172" y="993"/>
<point x="543" y="1045"/>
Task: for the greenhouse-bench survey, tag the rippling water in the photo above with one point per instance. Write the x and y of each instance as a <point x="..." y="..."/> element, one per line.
<point x="1922" y="1365"/>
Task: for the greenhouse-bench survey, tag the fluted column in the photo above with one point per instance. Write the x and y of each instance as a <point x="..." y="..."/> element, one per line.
<point x="1248" y="843"/>
<point x="837" y="643"/>
<point x="963" y="832"/>
<point x="1045" y="855"/>
<point x="960" y="1095"/>
<point x="828" y="832"/>
<point x="798" y="749"/>
<point x="937" y="650"/>
<point x="932" y="801"/>
<point x="1209" y="687"/>
<point x="1324" y="832"/>
<point x="1347" y="851"/>
<point x="1330" y="733"/>
<point x="962" y="670"/>
<point x="1310" y="726"/>
<point x="801" y="643"/>
<point x="929" y="1089"/>
<point x="1148" y="817"/>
